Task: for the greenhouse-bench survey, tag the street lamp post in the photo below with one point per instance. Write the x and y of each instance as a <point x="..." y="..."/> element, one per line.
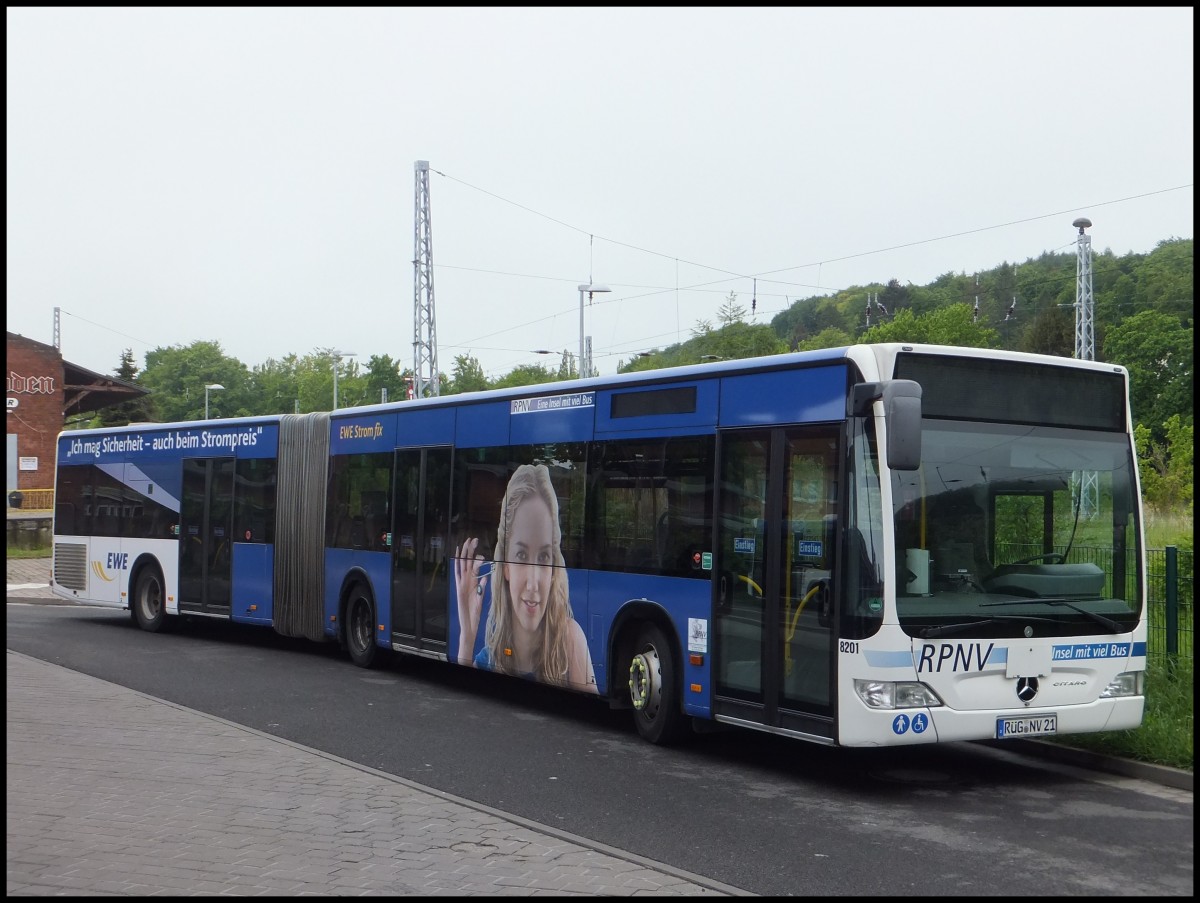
<point x="208" y="388"/>
<point x="589" y="290"/>
<point x="337" y="357"/>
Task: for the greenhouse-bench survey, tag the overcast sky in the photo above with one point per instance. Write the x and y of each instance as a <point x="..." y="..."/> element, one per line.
<point x="246" y="176"/>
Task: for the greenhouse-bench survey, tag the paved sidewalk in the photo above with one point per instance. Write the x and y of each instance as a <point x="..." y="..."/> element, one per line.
<point x="111" y="791"/>
<point x="29" y="578"/>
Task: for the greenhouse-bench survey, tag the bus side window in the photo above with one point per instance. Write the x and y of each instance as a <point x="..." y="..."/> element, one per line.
<point x="375" y="520"/>
<point x="64" y="518"/>
<point x="862" y="589"/>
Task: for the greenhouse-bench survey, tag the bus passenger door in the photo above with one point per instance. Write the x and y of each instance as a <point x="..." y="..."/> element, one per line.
<point x="420" y="556"/>
<point x="206" y="536"/>
<point x="773" y="583"/>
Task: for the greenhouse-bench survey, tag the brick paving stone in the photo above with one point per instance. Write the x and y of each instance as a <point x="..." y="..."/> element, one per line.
<point x="214" y="808"/>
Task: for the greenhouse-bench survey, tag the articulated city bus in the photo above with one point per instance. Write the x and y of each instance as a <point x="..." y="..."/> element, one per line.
<point x="862" y="546"/>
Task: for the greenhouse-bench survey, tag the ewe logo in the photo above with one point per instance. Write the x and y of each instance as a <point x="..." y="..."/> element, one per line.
<point x="116" y="561"/>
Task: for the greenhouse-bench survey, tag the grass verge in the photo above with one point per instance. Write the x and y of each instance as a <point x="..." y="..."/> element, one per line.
<point x="16" y="553"/>
<point x="1165" y="736"/>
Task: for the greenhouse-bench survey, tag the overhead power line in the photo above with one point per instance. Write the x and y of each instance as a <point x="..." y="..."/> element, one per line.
<point x="740" y="275"/>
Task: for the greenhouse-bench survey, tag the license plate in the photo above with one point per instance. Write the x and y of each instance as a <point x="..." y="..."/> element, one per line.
<point x="1026" y="726"/>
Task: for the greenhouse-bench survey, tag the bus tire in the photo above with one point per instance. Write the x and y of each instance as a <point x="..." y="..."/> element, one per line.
<point x="148" y="606"/>
<point x="654" y="688"/>
<point x="360" y="627"/>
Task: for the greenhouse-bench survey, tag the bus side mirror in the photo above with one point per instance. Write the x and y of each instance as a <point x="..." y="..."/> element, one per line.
<point x="902" y="417"/>
<point x="902" y="413"/>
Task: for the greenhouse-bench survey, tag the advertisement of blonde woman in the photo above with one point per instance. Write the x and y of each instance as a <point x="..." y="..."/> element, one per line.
<point x="530" y="630"/>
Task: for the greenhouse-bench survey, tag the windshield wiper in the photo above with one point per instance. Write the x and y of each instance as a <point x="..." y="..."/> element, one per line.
<point x="947" y="629"/>
<point x="1112" y="625"/>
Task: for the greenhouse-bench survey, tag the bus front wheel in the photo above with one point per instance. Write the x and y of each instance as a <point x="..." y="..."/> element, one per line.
<point x="149" y="608"/>
<point x="360" y="628"/>
<point x="654" y="688"/>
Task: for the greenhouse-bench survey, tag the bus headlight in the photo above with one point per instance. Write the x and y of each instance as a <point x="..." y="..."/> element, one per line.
<point x="886" y="694"/>
<point x="1127" y="684"/>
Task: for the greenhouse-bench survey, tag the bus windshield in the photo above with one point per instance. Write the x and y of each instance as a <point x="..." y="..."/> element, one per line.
<point x="1017" y="530"/>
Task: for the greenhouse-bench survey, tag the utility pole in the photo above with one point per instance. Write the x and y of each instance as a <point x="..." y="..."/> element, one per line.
<point x="425" y="368"/>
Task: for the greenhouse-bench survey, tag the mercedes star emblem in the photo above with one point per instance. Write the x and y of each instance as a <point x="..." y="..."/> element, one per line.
<point x="1027" y="688"/>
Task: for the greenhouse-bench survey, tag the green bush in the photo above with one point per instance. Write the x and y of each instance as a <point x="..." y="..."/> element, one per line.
<point x="1165" y="736"/>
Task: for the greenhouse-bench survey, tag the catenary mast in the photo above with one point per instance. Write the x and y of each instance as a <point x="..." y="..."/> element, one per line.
<point x="1085" y="347"/>
<point x="425" y="367"/>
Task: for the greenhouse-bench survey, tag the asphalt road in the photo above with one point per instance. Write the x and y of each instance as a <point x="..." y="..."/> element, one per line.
<point x="770" y="815"/>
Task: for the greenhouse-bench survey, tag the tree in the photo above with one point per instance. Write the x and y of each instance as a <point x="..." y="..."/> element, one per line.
<point x="738" y="340"/>
<point x="136" y="410"/>
<point x="894" y="296"/>
<point x="275" y="386"/>
<point x="466" y="375"/>
<point x="566" y="367"/>
<point x="827" y="338"/>
<point x="1052" y="331"/>
<point x="831" y="338"/>
<point x="1157" y="352"/>
<point x="351" y="388"/>
<point x="525" y="375"/>
<point x="731" y="312"/>
<point x="1164" y="279"/>
<point x="1124" y="287"/>
<point x="383" y="372"/>
<point x="177" y="376"/>
<point x="1166" y="467"/>
<point x="954" y="325"/>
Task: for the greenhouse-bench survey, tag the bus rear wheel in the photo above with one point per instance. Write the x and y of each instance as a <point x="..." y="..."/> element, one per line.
<point x="148" y="607"/>
<point x="654" y="688"/>
<point x="360" y="628"/>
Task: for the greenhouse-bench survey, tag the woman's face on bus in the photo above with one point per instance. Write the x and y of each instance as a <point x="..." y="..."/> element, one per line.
<point x="530" y="563"/>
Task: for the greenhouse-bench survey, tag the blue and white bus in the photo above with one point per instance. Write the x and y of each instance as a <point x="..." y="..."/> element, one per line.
<point x="862" y="546"/>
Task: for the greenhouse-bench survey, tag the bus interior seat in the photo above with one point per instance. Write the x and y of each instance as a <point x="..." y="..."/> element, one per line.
<point x="957" y="522"/>
<point x="954" y="560"/>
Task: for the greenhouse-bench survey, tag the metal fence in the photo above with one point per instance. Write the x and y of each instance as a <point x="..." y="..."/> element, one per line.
<point x="1169" y="598"/>
<point x="1170" y="603"/>
<point x="31" y="499"/>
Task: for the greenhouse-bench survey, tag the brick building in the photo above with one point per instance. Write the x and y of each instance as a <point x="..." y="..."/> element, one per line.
<point x="43" y="391"/>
